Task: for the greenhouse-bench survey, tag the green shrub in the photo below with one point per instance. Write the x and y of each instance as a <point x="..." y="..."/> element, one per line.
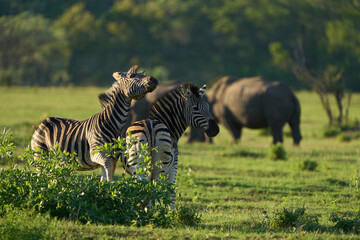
<point x="346" y="224"/>
<point x="56" y="188"/>
<point x="186" y="215"/>
<point x="343" y="138"/>
<point x="331" y="131"/>
<point x="308" y="165"/>
<point x="289" y="219"/>
<point x="6" y="147"/>
<point x="277" y="152"/>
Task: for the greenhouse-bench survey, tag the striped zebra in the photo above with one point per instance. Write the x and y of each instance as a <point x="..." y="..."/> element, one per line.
<point x="169" y="117"/>
<point x="83" y="137"/>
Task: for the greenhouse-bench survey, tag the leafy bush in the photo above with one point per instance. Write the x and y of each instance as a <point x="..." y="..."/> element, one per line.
<point x="56" y="188"/>
<point x="331" y="131"/>
<point x="6" y="146"/>
<point x="343" y="138"/>
<point x="277" y="152"/>
<point x="289" y="219"/>
<point x="345" y="132"/>
<point x="186" y="215"/>
<point x="346" y="224"/>
<point x="308" y="165"/>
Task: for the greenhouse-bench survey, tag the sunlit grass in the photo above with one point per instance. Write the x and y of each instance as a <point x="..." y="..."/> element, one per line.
<point x="231" y="184"/>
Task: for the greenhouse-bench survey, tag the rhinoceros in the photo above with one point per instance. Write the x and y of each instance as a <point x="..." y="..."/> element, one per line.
<point x="254" y="103"/>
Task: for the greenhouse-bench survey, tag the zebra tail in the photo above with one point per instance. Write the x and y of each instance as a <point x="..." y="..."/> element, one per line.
<point x="34" y="127"/>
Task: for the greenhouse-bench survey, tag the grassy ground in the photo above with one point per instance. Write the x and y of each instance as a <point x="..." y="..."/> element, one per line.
<point x="236" y="188"/>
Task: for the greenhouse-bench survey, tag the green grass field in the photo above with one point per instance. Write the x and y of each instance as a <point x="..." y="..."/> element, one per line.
<point x="237" y="188"/>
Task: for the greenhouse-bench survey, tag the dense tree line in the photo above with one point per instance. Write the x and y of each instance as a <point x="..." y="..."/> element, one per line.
<point x="55" y="42"/>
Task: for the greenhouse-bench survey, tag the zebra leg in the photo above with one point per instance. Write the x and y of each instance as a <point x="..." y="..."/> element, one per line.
<point x="106" y="164"/>
<point x="172" y="179"/>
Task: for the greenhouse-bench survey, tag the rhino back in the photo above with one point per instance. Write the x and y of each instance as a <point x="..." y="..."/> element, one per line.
<point x="243" y="101"/>
<point x="279" y="103"/>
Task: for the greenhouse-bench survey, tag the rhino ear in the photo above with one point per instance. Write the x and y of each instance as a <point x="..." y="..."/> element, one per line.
<point x="185" y="92"/>
<point x="202" y="90"/>
<point x="133" y="69"/>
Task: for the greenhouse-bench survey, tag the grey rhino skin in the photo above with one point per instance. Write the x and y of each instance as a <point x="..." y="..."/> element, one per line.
<point x="140" y="108"/>
<point x="254" y="103"/>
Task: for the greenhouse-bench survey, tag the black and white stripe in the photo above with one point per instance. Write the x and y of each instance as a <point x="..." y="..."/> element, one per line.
<point x="169" y="117"/>
<point x="83" y="137"/>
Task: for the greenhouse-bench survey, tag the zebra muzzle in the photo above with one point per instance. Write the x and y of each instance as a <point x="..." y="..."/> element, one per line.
<point x="151" y="84"/>
<point x="213" y="129"/>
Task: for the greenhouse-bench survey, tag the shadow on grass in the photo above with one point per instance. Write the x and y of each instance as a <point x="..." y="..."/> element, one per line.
<point x="244" y="153"/>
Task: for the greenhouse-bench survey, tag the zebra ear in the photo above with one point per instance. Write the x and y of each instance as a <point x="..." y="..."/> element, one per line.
<point x="202" y="90"/>
<point x="133" y="69"/>
<point x="118" y="75"/>
<point x="185" y="92"/>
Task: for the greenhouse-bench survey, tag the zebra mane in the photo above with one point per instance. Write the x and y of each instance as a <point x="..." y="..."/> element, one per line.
<point x="192" y="87"/>
<point x="188" y="85"/>
<point x="105" y="97"/>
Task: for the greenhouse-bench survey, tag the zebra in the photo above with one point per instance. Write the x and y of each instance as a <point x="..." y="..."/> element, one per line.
<point x="83" y="137"/>
<point x="169" y="117"/>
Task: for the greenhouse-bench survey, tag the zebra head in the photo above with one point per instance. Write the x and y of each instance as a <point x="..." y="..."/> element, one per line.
<point x="197" y="111"/>
<point x="135" y="85"/>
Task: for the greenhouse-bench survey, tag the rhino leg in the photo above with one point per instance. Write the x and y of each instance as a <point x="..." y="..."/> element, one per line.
<point x="295" y="131"/>
<point x="234" y="129"/>
<point x="276" y="132"/>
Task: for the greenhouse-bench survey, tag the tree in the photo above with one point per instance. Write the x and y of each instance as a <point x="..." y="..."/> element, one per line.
<point x="32" y="53"/>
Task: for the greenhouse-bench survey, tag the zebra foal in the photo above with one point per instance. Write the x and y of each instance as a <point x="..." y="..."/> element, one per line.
<point x="83" y="137"/>
<point x="169" y="117"/>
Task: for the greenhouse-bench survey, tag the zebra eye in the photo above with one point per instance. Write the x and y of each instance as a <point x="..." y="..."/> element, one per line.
<point x="132" y="75"/>
<point x="195" y="108"/>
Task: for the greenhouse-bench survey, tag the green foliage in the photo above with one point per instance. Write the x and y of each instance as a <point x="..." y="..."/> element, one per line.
<point x="186" y="215"/>
<point x="293" y="219"/>
<point x="344" y="132"/>
<point x="308" y="165"/>
<point x="331" y="131"/>
<point x="87" y="40"/>
<point x="32" y="52"/>
<point x="56" y="188"/>
<point x="277" y="152"/>
<point x="347" y="225"/>
<point x="343" y="138"/>
<point x="6" y="146"/>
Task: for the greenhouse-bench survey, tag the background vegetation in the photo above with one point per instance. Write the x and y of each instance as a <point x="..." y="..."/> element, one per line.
<point x="237" y="190"/>
<point x="56" y="42"/>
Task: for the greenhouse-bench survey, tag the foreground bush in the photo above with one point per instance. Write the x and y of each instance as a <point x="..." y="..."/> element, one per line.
<point x="56" y="188"/>
<point x="6" y="147"/>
